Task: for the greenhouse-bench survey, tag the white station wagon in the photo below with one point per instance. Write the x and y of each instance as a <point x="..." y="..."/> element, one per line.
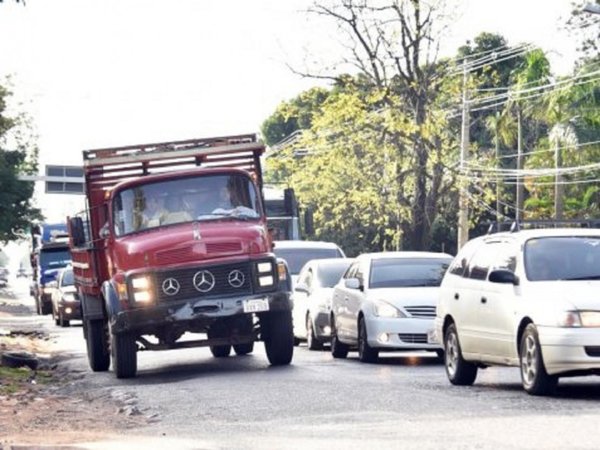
<point x="528" y="298"/>
<point x="386" y="301"/>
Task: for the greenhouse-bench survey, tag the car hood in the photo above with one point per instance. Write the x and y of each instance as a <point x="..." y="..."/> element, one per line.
<point x="580" y="294"/>
<point x="408" y="296"/>
<point x="190" y="242"/>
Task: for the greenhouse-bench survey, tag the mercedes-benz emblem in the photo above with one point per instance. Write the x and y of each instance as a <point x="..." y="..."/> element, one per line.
<point x="170" y="286"/>
<point x="204" y="281"/>
<point x="236" y="278"/>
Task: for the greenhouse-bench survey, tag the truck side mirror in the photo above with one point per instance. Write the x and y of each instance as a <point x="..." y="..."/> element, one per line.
<point x="76" y="231"/>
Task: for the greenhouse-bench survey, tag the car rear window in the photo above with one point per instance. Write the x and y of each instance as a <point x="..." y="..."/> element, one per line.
<point x="562" y="258"/>
<point x="330" y="274"/>
<point x="407" y="272"/>
<point x="297" y="257"/>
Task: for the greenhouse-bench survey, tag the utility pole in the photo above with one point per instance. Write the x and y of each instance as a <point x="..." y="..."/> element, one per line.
<point x="558" y="187"/>
<point x="463" y="205"/>
<point x="519" y="212"/>
<point x="499" y="213"/>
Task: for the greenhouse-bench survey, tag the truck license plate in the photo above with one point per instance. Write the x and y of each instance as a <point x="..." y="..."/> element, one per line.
<point x="256" y="305"/>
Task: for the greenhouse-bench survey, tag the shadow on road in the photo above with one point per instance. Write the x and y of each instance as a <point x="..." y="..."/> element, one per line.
<point x="176" y="372"/>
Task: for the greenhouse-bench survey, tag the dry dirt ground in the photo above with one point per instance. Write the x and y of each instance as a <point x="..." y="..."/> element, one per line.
<point x="52" y="405"/>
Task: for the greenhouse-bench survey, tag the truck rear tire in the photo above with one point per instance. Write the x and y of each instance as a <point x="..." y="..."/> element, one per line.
<point x="97" y="345"/>
<point x="123" y="350"/>
<point x="220" y="351"/>
<point x="278" y="333"/>
<point x="244" y="349"/>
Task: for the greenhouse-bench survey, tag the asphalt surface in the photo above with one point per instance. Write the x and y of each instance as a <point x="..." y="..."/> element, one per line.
<point x="196" y="401"/>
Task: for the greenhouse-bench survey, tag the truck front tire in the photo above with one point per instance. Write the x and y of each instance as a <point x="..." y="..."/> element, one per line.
<point x="123" y="351"/>
<point x="278" y="333"/>
<point x="97" y="345"/>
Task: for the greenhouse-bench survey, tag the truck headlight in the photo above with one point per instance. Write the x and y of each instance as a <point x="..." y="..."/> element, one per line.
<point x="142" y="289"/>
<point x="264" y="267"/>
<point x="265" y="281"/>
<point x="384" y="309"/>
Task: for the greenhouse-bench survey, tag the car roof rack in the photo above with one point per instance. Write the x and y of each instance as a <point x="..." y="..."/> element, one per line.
<point x="514" y="226"/>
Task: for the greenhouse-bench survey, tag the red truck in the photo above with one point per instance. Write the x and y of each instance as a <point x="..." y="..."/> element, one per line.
<point x="175" y="240"/>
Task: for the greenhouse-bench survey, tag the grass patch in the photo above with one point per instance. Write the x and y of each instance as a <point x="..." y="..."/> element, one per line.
<point x="14" y="380"/>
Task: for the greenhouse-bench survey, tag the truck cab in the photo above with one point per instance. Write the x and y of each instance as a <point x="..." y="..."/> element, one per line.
<point x="175" y="240"/>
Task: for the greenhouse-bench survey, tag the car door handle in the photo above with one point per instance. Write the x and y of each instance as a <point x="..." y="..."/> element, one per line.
<point x="456" y="296"/>
<point x="483" y="300"/>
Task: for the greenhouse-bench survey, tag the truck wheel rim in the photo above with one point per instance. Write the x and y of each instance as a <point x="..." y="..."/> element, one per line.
<point x="451" y="353"/>
<point x="529" y="360"/>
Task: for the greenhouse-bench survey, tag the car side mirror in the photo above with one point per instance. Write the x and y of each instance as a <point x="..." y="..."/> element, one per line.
<point x="504" y="276"/>
<point x="302" y="288"/>
<point x="352" y="283"/>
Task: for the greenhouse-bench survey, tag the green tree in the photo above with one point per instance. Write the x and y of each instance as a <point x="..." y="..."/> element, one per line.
<point x="16" y="210"/>
<point x="296" y="114"/>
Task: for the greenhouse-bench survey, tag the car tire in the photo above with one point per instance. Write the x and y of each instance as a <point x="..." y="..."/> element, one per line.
<point x="63" y="322"/>
<point x="534" y="377"/>
<point x="55" y="317"/>
<point x="220" y="351"/>
<point x="18" y="359"/>
<point x="459" y="371"/>
<point x="366" y="353"/>
<point x="312" y="341"/>
<point x="243" y="349"/>
<point x="123" y="349"/>
<point x="97" y="345"/>
<point x="339" y="350"/>
<point x="277" y="330"/>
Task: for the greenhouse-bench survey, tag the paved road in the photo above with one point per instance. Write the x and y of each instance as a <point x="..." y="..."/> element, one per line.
<point x="405" y="401"/>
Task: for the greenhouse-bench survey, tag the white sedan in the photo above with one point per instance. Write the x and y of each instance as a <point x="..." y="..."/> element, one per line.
<point x="387" y="301"/>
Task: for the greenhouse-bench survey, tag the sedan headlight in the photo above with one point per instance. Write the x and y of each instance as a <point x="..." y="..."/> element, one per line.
<point x="569" y="319"/>
<point x="590" y="318"/>
<point x="384" y="309"/>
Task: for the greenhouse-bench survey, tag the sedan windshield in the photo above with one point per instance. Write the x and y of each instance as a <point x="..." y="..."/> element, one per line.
<point x="200" y="198"/>
<point x="562" y="258"/>
<point x="407" y="272"/>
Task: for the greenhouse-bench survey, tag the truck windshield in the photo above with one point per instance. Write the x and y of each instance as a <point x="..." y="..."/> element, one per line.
<point x="200" y="198"/>
<point x="54" y="258"/>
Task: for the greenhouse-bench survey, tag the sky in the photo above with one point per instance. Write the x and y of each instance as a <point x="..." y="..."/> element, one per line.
<point x="94" y="74"/>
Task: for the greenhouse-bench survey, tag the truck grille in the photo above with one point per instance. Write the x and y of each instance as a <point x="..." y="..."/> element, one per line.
<point x="421" y="311"/>
<point x="413" y="338"/>
<point x="229" y="279"/>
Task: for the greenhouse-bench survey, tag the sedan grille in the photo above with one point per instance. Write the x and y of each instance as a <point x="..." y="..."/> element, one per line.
<point x="421" y="311"/>
<point x="409" y="338"/>
<point x="230" y="279"/>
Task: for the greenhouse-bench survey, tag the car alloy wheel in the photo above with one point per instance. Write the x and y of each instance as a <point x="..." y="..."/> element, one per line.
<point x="534" y="377"/>
<point x="529" y="360"/>
<point x="451" y="354"/>
<point x="459" y="371"/>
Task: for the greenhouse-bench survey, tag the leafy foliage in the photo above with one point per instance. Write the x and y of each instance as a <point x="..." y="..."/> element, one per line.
<point x="16" y="209"/>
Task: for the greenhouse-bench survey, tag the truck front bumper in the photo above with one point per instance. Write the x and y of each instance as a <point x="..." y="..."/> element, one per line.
<point x="191" y="313"/>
